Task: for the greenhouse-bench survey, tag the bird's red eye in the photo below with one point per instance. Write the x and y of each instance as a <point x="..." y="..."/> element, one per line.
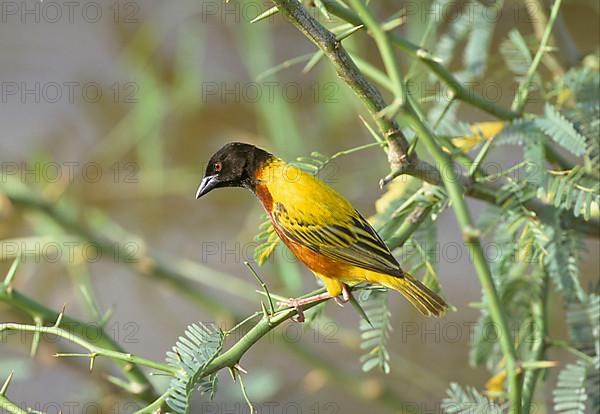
<point x="218" y="166"/>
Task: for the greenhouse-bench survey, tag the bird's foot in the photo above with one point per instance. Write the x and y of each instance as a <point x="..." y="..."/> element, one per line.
<point x="297" y="305"/>
<point x="345" y="296"/>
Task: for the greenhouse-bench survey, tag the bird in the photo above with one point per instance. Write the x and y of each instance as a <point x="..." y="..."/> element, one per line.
<point x="321" y="228"/>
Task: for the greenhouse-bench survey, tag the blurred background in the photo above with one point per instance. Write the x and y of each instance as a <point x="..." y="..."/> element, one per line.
<point x="115" y="107"/>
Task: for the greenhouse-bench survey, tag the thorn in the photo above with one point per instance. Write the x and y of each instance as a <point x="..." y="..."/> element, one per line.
<point x="106" y="317"/>
<point x="386" y="180"/>
<point x="425" y="54"/>
<point x="471" y="234"/>
<point x="11" y="274"/>
<point x="240" y="368"/>
<point x="6" y="383"/>
<point x="132" y="387"/>
<point x="35" y="343"/>
<point x="264" y="310"/>
<point x="382" y="183"/>
<point x="92" y="360"/>
<point x="70" y="354"/>
<point x="232" y="373"/>
<point x="60" y="316"/>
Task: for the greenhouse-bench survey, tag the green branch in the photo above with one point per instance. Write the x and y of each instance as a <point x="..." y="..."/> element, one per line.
<point x="6" y="404"/>
<point x="521" y="96"/>
<point x="294" y="12"/>
<point x="398" y="155"/>
<point x="10" y="407"/>
<point x="538" y="349"/>
<point x="138" y="381"/>
<point x="155" y="406"/>
<point x="232" y="357"/>
<point x="471" y="237"/>
<point x="177" y="272"/>
<point x="175" y="269"/>
<point x="452" y="183"/>
<point x="385" y="48"/>
<point x="94" y="350"/>
<point x="461" y="91"/>
<point x="484" y="191"/>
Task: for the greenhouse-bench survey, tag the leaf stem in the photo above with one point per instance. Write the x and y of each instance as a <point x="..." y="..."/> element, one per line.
<point x="521" y="96"/>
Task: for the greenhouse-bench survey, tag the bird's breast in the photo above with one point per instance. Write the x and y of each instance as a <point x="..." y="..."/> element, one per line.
<point x="279" y="182"/>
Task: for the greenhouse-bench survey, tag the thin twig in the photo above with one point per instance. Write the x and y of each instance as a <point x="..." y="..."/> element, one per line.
<point x="94" y="350"/>
<point x="349" y="73"/>
<point x="538" y="349"/>
<point x="461" y="91"/>
<point x="263" y="285"/>
<point x="137" y="379"/>
<point x="521" y="96"/>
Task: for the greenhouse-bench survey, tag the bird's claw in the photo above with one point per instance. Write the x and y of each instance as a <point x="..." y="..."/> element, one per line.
<point x="294" y="303"/>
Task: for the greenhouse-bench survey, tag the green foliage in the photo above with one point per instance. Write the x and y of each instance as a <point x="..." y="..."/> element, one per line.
<point x="516" y="54"/>
<point x="474" y="31"/>
<point x="476" y="51"/>
<point x="535" y="218"/>
<point x="572" y="190"/>
<point x="468" y="400"/>
<point x="579" y="384"/>
<point x="374" y="335"/>
<point x="267" y="240"/>
<point x="586" y="119"/>
<point x="583" y="321"/>
<point x="570" y="393"/>
<point x="457" y="33"/>
<point x="425" y="240"/>
<point x="561" y="131"/>
<point x="581" y="83"/>
<point x="517" y="276"/>
<point x="576" y="190"/>
<point x="561" y="259"/>
<point x="192" y="353"/>
<point x="313" y="164"/>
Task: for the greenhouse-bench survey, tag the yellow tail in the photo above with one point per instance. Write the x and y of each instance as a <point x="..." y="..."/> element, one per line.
<point x="427" y="302"/>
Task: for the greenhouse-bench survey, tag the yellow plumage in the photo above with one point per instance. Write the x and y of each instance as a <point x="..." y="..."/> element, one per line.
<point x="332" y="239"/>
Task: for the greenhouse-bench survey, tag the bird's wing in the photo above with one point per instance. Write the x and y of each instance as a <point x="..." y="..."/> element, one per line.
<point x="341" y="235"/>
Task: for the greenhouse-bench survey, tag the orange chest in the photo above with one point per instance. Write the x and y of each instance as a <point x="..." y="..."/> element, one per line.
<point x="315" y="261"/>
<point x="265" y="197"/>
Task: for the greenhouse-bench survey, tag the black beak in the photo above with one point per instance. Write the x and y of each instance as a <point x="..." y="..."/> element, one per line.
<point x="208" y="183"/>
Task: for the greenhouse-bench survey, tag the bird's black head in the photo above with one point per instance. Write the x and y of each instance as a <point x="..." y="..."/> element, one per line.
<point x="234" y="165"/>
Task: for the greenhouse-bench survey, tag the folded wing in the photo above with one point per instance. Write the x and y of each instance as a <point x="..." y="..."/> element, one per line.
<point x="346" y="237"/>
